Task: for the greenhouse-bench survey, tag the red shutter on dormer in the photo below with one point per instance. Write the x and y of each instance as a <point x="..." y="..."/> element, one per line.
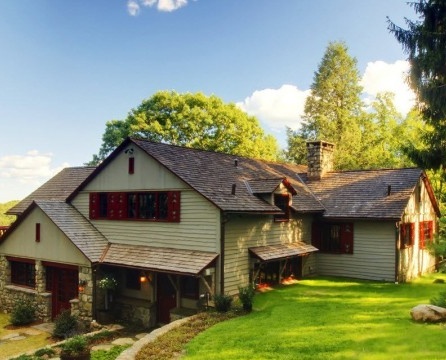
<point x="421" y="235"/>
<point x="174" y="206"/>
<point x="94" y="205"/>
<point x="316" y="234"/>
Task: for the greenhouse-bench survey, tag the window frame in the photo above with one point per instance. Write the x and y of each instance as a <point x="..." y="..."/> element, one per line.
<point x="333" y="237"/>
<point x="426" y="233"/>
<point x="282" y="201"/>
<point x="407" y="235"/>
<point x="23" y="272"/>
<point x="128" y="206"/>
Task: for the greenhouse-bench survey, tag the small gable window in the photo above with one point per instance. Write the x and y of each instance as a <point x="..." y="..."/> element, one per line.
<point x="131" y="165"/>
<point x="282" y="201"/>
<point x="407" y="235"/>
<point x="23" y="272"/>
<point x="334" y="238"/>
<point x="426" y="233"/>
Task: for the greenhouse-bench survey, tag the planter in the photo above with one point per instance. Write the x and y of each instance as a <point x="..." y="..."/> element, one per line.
<point x="75" y="356"/>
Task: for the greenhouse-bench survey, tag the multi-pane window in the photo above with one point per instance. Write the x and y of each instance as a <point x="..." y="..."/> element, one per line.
<point x="190" y="287"/>
<point x="333" y="237"/>
<point x="23" y="273"/>
<point x="407" y="234"/>
<point x="153" y="205"/>
<point x="426" y="233"/>
<point x="282" y="201"/>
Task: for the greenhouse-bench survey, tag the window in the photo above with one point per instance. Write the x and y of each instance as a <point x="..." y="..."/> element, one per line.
<point x="426" y="233"/>
<point x="190" y="287"/>
<point x="132" y="279"/>
<point x="152" y="206"/>
<point x="131" y="165"/>
<point x="407" y="234"/>
<point x="37" y="232"/>
<point x="334" y="238"/>
<point x="23" y="273"/>
<point x="282" y="201"/>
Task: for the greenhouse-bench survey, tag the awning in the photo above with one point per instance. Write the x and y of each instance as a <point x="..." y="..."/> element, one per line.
<point x="282" y="251"/>
<point x="176" y="261"/>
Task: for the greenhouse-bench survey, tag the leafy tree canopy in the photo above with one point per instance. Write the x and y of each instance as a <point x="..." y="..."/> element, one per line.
<point x="192" y="120"/>
<point x="6" y="220"/>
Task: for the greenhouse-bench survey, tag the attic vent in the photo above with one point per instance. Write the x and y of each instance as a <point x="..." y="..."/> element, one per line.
<point x="233" y="189"/>
<point x="389" y="190"/>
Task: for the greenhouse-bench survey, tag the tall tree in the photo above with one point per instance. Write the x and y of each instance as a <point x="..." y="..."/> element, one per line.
<point x="334" y="109"/>
<point x="192" y="120"/>
<point x="424" y="41"/>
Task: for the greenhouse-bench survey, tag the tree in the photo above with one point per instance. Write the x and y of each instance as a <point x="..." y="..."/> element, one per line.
<point x="425" y="43"/>
<point x="192" y="120"/>
<point x="6" y="220"/>
<point x="333" y="110"/>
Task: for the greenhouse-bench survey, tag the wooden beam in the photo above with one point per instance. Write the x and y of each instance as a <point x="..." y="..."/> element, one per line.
<point x="206" y="285"/>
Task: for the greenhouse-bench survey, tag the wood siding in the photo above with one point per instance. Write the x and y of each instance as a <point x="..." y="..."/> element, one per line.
<point x="242" y="232"/>
<point x="53" y="246"/>
<point x="373" y="257"/>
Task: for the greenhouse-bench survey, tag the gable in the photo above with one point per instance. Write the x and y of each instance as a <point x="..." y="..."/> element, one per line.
<point x="53" y="246"/>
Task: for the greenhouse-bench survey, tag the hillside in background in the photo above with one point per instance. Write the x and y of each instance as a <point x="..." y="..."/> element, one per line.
<point x="7" y="219"/>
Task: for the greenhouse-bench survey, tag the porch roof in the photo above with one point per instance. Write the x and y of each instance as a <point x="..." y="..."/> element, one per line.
<point x="281" y="251"/>
<point x="178" y="261"/>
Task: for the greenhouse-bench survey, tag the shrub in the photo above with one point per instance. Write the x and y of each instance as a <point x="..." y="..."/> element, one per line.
<point x="48" y="352"/>
<point x="439" y="300"/>
<point x="24" y="312"/>
<point x="246" y="296"/>
<point x="65" y="325"/>
<point x="222" y="302"/>
<point x="75" y="346"/>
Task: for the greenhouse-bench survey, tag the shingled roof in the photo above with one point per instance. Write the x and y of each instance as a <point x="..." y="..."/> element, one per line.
<point x="372" y="194"/>
<point x="59" y="187"/>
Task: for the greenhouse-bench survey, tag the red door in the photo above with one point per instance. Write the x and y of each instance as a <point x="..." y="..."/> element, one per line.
<point x="167" y="298"/>
<point x="63" y="284"/>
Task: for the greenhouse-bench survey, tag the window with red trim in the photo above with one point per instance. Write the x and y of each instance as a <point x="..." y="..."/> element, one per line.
<point x="131" y="165"/>
<point x="150" y="206"/>
<point x="407" y="234"/>
<point x="336" y="238"/>
<point x="282" y="201"/>
<point x="23" y="273"/>
<point x="426" y="233"/>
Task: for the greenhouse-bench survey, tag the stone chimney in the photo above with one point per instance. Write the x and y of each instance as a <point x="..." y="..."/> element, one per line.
<point x="319" y="159"/>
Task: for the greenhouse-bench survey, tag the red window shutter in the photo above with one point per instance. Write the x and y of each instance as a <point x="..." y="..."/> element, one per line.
<point x="114" y="205"/>
<point x="412" y="233"/>
<point x="421" y="235"/>
<point x="37" y="232"/>
<point x="121" y="205"/>
<point x="94" y="205"/>
<point x="316" y="234"/>
<point x="131" y="165"/>
<point x="347" y="238"/>
<point x="174" y="206"/>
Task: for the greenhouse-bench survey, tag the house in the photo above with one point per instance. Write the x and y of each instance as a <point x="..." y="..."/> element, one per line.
<point x="171" y="226"/>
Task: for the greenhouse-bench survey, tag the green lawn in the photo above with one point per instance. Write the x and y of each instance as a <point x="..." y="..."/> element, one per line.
<point x="329" y="318"/>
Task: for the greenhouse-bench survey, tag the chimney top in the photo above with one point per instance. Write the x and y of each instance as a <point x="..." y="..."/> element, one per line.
<point x="319" y="158"/>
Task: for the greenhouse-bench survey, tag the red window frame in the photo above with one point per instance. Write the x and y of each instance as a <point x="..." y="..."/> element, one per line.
<point x="407" y="235"/>
<point x="138" y="206"/>
<point x="333" y="237"/>
<point x="23" y="272"/>
<point x="426" y="233"/>
<point x="131" y="165"/>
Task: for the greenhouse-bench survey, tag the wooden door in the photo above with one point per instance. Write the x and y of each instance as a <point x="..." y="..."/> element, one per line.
<point x="166" y="298"/>
<point x="63" y="286"/>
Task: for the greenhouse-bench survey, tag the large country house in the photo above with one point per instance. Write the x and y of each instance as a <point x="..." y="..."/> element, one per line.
<point x="155" y="230"/>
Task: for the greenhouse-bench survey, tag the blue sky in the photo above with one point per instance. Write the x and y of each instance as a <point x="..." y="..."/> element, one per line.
<point x="68" y="67"/>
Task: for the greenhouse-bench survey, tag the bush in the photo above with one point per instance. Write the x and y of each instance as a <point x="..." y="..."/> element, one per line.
<point x="222" y="302"/>
<point x="440" y="300"/>
<point x="65" y="325"/>
<point x="24" y="312"/>
<point x="246" y="296"/>
<point x="48" y="352"/>
<point x="75" y="346"/>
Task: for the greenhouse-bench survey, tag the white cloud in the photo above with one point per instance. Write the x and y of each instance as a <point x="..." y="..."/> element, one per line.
<point x="380" y="76"/>
<point x="277" y="108"/>
<point x="22" y="174"/>
<point x="133" y="6"/>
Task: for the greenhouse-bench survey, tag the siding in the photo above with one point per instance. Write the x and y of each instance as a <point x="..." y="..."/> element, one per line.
<point x="53" y="246"/>
<point x="242" y="232"/>
<point x="373" y="255"/>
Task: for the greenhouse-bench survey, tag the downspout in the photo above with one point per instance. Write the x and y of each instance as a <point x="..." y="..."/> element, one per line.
<point x="223" y="221"/>
<point x="94" y="291"/>
<point x="397" y="252"/>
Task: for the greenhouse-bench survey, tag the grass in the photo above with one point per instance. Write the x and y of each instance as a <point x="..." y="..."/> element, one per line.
<point x="10" y="348"/>
<point x="328" y="318"/>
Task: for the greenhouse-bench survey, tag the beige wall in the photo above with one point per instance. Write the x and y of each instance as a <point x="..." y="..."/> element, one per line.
<point x="53" y="246"/>
<point x="199" y="228"/>
<point x="244" y="231"/>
